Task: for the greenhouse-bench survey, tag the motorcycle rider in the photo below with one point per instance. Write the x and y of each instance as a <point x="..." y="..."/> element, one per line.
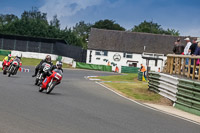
<point x="57" y="66"/>
<point x="7" y="58"/>
<point x="46" y="60"/>
<point x="18" y="59"/>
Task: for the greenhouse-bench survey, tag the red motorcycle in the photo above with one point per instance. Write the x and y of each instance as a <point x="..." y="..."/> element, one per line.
<point x="51" y="81"/>
<point x="6" y="65"/>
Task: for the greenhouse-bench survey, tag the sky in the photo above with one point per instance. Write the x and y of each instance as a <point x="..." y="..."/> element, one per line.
<point x="181" y="15"/>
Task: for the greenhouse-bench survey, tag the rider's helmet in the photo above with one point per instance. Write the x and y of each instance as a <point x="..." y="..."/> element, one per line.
<point x="59" y="64"/>
<point x="48" y="58"/>
<point x="9" y="56"/>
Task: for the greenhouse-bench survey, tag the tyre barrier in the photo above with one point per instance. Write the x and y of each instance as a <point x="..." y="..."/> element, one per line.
<point x="184" y="93"/>
<point x="188" y="96"/>
<point x="163" y="84"/>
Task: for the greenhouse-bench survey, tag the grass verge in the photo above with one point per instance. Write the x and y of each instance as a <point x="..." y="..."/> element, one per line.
<point x="129" y="86"/>
<point x="34" y="62"/>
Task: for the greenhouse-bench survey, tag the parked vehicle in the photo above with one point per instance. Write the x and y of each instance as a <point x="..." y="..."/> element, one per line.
<point x="51" y="81"/>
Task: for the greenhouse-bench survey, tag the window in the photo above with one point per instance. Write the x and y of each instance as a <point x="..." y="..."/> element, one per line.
<point x="98" y="53"/>
<point x="101" y="53"/>
<point x="128" y="55"/>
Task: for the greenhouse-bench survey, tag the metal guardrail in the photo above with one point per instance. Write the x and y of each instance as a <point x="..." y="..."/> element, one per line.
<point x="184" y="93"/>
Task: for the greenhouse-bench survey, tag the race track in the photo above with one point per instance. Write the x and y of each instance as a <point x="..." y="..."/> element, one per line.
<point x="77" y="105"/>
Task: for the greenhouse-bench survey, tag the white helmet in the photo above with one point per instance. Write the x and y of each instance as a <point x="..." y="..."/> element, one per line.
<point x="9" y="55"/>
<point x="59" y="64"/>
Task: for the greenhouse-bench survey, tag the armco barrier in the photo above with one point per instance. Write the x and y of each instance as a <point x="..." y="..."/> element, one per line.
<point x="163" y="84"/>
<point x="154" y="81"/>
<point x="184" y="93"/>
<point x="126" y="69"/>
<point x="93" y="67"/>
<point x="188" y="96"/>
<point x="4" y="52"/>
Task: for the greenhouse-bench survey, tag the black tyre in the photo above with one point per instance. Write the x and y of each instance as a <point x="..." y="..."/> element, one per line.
<point x="51" y="87"/>
<point x="11" y="71"/>
<point x="5" y="71"/>
<point x="36" y="81"/>
<point x="40" y="89"/>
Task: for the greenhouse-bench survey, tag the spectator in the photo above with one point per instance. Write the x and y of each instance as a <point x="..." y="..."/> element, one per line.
<point x="186" y="50"/>
<point x="178" y="47"/>
<point x="197" y="52"/>
<point x="193" y="47"/>
<point x="187" y="47"/>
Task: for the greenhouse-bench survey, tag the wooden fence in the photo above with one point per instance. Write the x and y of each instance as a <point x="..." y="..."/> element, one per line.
<point x="185" y="65"/>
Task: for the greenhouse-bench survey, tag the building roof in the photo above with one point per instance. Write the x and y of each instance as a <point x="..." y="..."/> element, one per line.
<point x="132" y="42"/>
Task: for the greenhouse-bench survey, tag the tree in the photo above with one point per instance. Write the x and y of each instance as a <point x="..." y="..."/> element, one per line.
<point x="108" y="24"/>
<point x="82" y="30"/>
<point x="150" y="27"/>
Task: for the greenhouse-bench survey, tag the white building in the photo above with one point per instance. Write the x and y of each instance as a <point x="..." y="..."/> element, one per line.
<point x="120" y="48"/>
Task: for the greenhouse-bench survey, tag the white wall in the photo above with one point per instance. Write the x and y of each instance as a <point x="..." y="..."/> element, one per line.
<point x="40" y="56"/>
<point x="123" y="61"/>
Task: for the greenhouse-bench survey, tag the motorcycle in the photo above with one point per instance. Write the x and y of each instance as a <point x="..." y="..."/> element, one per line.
<point x="51" y="81"/>
<point x="6" y="65"/>
<point x="13" y="68"/>
<point x="42" y="73"/>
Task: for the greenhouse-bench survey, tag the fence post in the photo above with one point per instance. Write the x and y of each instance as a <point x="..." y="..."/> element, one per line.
<point x="179" y="69"/>
<point x="194" y="68"/>
<point x="52" y="48"/>
<point x="39" y="47"/>
<point x="1" y="43"/>
<point x="175" y="65"/>
<point x="15" y="44"/>
<point x="189" y="65"/>
<point x="27" y="45"/>
<point x="183" y="66"/>
<point x="199" y="72"/>
<point x="172" y="64"/>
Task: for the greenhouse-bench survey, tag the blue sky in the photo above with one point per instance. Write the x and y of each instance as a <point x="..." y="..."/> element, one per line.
<point x="182" y="15"/>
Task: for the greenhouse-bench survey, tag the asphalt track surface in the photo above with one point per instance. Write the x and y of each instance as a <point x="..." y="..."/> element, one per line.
<point x="78" y="105"/>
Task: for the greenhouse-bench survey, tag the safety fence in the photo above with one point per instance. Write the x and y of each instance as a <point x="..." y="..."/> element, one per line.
<point x="125" y="69"/>
<point x="184" y="93"/>
<point x="93" y="67"/>
<point x="42" y="45"/>
<point x="185" y="65"/>
<point x="5" y="52"/>
<point x="163" y="84"/>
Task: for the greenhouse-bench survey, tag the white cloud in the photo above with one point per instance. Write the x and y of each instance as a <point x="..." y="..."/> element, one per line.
<point x="66" y="8"/>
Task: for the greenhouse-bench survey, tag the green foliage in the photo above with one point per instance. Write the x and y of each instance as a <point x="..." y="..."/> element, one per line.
<point x="82" y="30"/>
<point x="34" y="23"/>
<point x="150" y="27"/>
<point x="108" y="24"/>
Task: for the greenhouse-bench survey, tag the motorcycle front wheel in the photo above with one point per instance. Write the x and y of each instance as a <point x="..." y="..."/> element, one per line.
<point x="40" y="89"/>
<point x="50" y="87"/>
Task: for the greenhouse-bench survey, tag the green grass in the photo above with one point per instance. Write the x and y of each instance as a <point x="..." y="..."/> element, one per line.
<point x="127" y="77"/>
<point x="133" y="88"/>
<point x="34" y="62"/>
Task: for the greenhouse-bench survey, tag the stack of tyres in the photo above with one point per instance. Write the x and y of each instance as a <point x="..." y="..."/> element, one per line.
<point x="140" y="75"/>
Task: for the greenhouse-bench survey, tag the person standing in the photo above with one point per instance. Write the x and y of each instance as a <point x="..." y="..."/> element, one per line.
<point x="193" y="47"/>
<point x="143" y="69"/>
<point x="178" y="47"/>
<point x="186" y="49"/>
